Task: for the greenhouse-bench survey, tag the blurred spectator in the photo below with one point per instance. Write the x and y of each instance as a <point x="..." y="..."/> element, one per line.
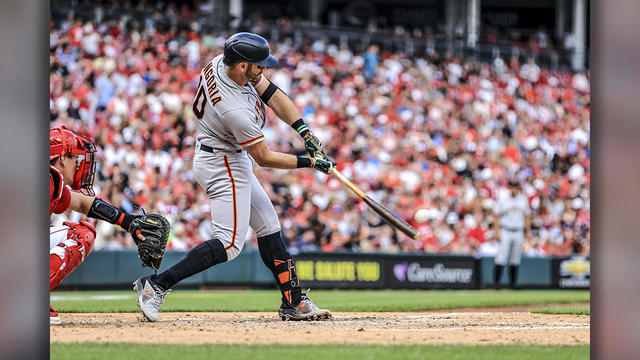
<point x="371" y="61"/>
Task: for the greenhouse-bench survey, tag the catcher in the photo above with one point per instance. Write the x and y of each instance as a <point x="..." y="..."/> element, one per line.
<point x="72" y="165"/>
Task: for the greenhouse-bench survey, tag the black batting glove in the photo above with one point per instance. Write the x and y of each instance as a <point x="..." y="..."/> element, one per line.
<point x="313" y="145"/>
<point x="323" y="164"/>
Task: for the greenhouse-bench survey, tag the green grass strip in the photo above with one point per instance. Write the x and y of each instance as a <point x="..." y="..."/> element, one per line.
<point x="336" y="300"/>
<point x="575" y="310"/>
<point x="124" y="351"/>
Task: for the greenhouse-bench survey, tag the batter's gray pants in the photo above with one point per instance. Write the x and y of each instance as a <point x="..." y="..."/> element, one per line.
<point x="237" y="199"/>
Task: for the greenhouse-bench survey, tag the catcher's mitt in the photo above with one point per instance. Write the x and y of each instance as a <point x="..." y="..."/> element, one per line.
<point x="155" y="228"/>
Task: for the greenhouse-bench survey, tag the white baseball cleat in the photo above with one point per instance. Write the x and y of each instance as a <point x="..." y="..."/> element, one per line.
<point x="150" y="297"/>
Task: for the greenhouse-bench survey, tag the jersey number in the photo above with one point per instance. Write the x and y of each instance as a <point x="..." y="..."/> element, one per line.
<point x="199" y="112"/>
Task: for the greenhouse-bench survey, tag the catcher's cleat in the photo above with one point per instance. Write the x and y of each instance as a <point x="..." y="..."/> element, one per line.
<point x="305" y="310"/>
<point x="150" y="297"/>
<point x="54" y="319"/>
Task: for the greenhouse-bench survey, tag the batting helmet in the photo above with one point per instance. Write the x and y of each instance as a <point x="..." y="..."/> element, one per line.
<point x="249" y="48"/>
<point x="63" y="141"/>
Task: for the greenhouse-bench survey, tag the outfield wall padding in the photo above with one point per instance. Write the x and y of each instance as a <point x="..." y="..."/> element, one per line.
<point x="119" y="268"/>
<point x="534" y="272"/>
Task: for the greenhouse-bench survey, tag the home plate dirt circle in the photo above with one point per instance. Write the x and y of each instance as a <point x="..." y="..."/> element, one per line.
<point x="473" y="328"/>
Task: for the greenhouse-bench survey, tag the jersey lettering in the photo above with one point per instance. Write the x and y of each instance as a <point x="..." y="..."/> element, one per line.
<point x="199" y="105"/>
<point x="212" y="87"/>
<point x="233" y="123"/>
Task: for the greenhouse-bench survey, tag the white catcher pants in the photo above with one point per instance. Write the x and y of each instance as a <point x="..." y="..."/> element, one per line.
<point x="57" y="234"/>
<point x="237" y="198"/>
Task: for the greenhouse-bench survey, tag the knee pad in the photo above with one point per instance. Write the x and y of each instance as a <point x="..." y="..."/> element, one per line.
<point x="67" y="255"/>
<point x="84" y="233"/>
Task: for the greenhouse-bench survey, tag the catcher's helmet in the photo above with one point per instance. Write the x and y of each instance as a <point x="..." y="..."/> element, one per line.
<point x="249" y="48"/>
<point x="63" y="141"/>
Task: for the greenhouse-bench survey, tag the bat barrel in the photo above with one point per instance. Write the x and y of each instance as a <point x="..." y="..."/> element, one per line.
<point x="400" y="224"/>
<point x="394" y="220"/>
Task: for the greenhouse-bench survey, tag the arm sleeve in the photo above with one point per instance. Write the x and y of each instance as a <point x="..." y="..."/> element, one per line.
<point x="244" y="125"/>
<point x="64" y="201"/>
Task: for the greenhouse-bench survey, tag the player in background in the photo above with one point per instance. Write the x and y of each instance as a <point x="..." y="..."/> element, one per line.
<point x="72" y="165"/>
<point x="512" y="221"/>
<point x="230" y="114"/>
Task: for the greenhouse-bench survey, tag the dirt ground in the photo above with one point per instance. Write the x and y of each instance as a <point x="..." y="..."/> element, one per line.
<point x="465" y="326"/>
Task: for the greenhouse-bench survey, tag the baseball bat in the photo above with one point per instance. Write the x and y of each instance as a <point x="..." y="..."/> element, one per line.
<point x="400" y="224"/>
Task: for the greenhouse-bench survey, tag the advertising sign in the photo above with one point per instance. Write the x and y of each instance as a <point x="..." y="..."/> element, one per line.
<point x="339" y="271"/>
<point x="434" y="272"/>
<point x="371" y="271"/>
<point x="571" y="272"/>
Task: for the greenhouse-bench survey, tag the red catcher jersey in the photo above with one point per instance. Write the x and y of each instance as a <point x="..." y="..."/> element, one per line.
<point x="59" y="195"/>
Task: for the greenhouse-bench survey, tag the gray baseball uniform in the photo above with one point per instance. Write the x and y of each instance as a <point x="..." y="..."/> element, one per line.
<point x="230" y="117"/>
<point x="511" y="212"/>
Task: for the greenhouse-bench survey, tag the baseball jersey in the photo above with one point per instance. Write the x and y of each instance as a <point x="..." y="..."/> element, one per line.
<point x="59" y="195"/>
<point x="228" y="116"/>
<point x="512" y="211"/>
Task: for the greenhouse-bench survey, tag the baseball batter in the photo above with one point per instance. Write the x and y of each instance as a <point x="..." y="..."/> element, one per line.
<point x="512" y="219"/>
<point x="229" y="110"/>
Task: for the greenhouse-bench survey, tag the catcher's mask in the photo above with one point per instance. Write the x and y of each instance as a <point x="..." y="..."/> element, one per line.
<point x="63" y="142"/>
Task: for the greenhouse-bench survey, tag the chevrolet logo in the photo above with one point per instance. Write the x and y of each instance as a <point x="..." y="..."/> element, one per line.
<point x="575" y="266"/>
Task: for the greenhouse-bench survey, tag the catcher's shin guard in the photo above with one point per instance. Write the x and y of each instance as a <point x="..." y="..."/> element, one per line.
<point x="67" y="255"/>
<point x="276" y="257"/>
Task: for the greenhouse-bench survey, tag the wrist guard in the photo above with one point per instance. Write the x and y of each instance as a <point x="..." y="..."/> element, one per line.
<point x="300" y="127"/>
<point x="304" y="162"/>
<point x="102" y="210"/>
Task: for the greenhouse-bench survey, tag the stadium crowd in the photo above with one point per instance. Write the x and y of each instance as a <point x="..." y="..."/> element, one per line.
<point x="434" y="132"/>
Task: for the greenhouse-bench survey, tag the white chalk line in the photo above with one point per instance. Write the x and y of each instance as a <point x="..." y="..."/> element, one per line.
<point x="472" y="313"/>
<point x="90" y="297"/>
<point x="475" y="328"/>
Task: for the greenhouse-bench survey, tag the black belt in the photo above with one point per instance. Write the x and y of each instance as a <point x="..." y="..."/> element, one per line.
<point x="211" y="150"/>
<point x="511" y="229"/>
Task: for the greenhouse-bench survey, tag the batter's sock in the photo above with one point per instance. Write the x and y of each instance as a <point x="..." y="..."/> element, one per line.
<point x="513" y="276"/>
<point x="497" y="275"/>
<point x="276" y="257"/>
<point x="200" y="258"/>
